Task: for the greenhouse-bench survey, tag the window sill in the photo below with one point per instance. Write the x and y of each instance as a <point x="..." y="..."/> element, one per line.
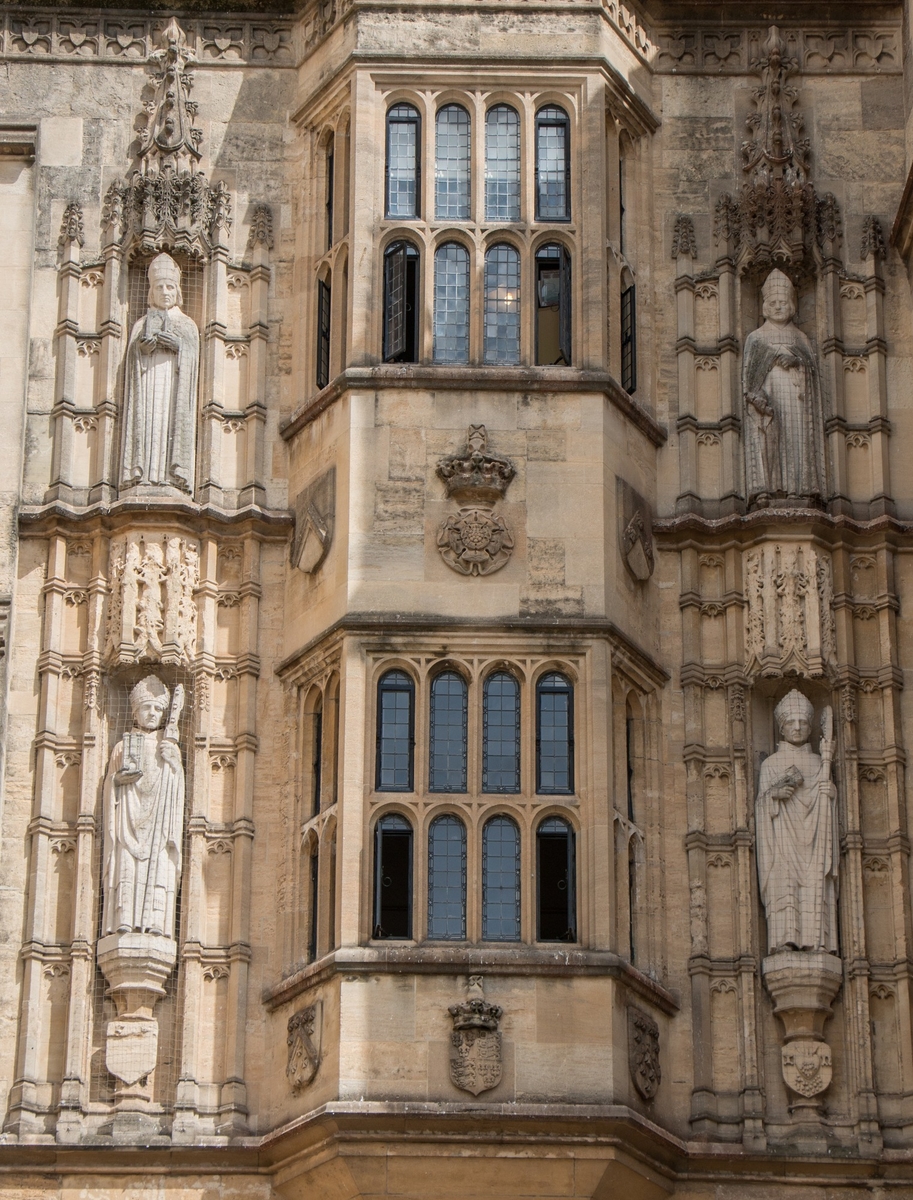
<point x="471" y="378"/>
<point x="561" y="959"/>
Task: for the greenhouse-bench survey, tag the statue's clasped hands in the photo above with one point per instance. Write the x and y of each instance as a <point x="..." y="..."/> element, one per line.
<point x="163" y="340"/>
<point x="170" y="754"/>
<point x="787" y="358"/>
<point x="760" y="403"/>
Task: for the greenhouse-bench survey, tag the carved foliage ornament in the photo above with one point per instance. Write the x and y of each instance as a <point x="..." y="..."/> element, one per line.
<point x="152" y="610"/>
<point x="789" y="618"/>
<point x="475" y="1043"/>
<point x="643" y="1052"/>
<point x="475" y="540"/>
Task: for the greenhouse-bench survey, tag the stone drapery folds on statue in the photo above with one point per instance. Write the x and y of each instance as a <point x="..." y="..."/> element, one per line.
<point x="784" y="418"/>
<point x="144" y="816"/>
<point x="160" y="388"/>
<point x="798" y="853"/>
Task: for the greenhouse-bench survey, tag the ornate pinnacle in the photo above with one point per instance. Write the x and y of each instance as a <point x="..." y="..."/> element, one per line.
<point x="71" y="227"/>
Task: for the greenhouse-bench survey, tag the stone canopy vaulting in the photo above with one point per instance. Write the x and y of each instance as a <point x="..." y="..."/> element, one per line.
<point x="456" y="585"/>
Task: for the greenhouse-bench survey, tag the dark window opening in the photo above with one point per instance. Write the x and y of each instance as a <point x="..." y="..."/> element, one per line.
<point x="553" y="168"/>
<point x="501" y="734"/>
<point x="501" y="880"/>
<point x="329" y="195"/>
<point x="628" y="341"/>
<point x="632" y="899"/>
<point x="318" y="757"/>
<point x="447" y="765"/>
<point x="393" y="878"/>
<point x="629" y="764"/>
<point x="395" y="732"/>
<point x="403" y="161"/>
<point x="553" y="306"/>
<point x="447" y="879"/>
<point x="323" y="333"/>
<point x="312" y="931"/>
<point x="555" y="899"/>
<point x="401" y="285"/>
<point x="554" y="735"/>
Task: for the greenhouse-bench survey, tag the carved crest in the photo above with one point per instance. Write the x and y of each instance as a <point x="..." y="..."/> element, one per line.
<point x="315" y="512"/>
<point x="807" y="1066"/>
<point x="475" y="1043"/>
<point x="475" y="540"/>
<point x="303" y="1046"/>
<point x="643" y="1052"/>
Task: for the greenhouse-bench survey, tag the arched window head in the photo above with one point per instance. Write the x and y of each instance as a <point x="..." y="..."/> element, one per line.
<point x="401" y="302"/>
<point x="395" y="732"/>
<point x="451" y="164"/>
<point x="553" y="306"/>
<point x="447" y="879"/>
<point x="502" y="305"/>
<point x="502" y="164"/>
<point x="554" y="735"/>
<point x="501" y="880"/>
<point x="403" y="161"/>
<point x="392" y="878"/>
<point x="501" y="733"/>
<point x="553" y="192"/>
<point x="451" y="304"/>
<point x="556" y="901"/>
<point x="447" y="751"/>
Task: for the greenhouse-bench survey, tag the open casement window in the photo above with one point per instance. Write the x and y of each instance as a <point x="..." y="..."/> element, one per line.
<point x="329" y="194"/>
<point x="314" y="865"/>
<point x="401" y="261"/>
<point x="392" y="878"/>
<point x="403" y="161"/>
<point x="395" y="733"/>
<point x="553" y="306"/>
<point x="317" y="764"/>
<point x="553" y="164"/>
<point x="447" y="879"/>
<point x="628" y="340"/>
<point x="501" y="880"/>
<point x="554" y="736"/>
<point x="323" y="332"/>
<point x="556" y="901"/>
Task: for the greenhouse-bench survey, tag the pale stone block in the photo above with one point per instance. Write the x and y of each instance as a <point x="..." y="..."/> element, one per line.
<point x="61" y="142"/>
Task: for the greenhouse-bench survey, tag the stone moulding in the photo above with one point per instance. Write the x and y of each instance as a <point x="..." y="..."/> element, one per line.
<point x="690" y="47"/>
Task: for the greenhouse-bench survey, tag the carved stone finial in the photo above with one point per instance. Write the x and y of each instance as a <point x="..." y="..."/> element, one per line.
<point x="475" y="1043"/>
<point x="775" y="148"/>
<point x="683" y="239"/>
<point x="71" y="229"/>
<point x="170" y="140"/>
<point x="112" y="213"/>
<point x="873" y="243"/>
<point x="261" y="227"/>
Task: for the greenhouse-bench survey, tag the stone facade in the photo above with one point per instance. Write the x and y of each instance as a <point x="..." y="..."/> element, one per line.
<point x="453" y="635"/>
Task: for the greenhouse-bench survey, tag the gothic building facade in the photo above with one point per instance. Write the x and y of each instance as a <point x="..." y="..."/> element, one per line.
<point x="455" y="585"/>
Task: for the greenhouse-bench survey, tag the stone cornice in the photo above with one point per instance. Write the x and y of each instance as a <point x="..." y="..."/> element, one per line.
<point x="43" y="520"/>
<point x="670" y="531"/>
<point x="553" y="380"/>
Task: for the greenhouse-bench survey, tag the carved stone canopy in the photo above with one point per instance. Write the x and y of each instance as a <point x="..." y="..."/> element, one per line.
<point x="476" y="475"/>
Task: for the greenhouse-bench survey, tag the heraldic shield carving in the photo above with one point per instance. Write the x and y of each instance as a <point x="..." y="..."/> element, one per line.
<point x="807" y="1066"/>
<point x="643" y="1053"/>
<point x="303" y="1046"/>
<point x="475" y="1043"/>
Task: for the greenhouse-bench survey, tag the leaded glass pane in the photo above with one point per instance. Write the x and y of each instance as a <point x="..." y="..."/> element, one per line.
<point x="451" y="304"/>
<point x="501" y="734"/>
<point x="551" y="164"/>
<point x="447" y="878"/>
<point x="451" y="164"/>
<point x="554" y="735"/>
<point x="394" y="732"/>
<point x="502" y="305"/>
<point x="502" y="164"/>
<point x="402" y="161"/>
<point x="501" y="881"/>
<point x="448" y="734"/>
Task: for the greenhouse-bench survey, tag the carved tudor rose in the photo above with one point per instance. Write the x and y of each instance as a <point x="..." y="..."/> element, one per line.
<point x="303" y="1046"/>
<point x="475" y="1043"/>
<point x="475" y="540"/>
<point x="643" y="1052"/>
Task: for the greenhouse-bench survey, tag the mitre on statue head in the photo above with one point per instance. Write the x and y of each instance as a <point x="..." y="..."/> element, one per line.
<point x="150" y="688"/>
<point x="794" y="704"/>
<point x="163" y="266"/>
<point x="778" y="285"/>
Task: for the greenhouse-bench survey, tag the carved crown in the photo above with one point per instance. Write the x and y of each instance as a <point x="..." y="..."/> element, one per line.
<point x="475" y="1014"/>
<point x="476" y="475"/>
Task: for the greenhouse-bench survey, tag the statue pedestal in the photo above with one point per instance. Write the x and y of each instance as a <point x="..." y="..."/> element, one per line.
<point x="136" y="966"/>
<point x="803" y="985"/>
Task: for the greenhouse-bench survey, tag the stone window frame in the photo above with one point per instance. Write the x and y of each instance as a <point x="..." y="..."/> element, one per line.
<point x="329" y="235"/>
<point x="478" y="234"/>
<point x="474" y="808"/>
